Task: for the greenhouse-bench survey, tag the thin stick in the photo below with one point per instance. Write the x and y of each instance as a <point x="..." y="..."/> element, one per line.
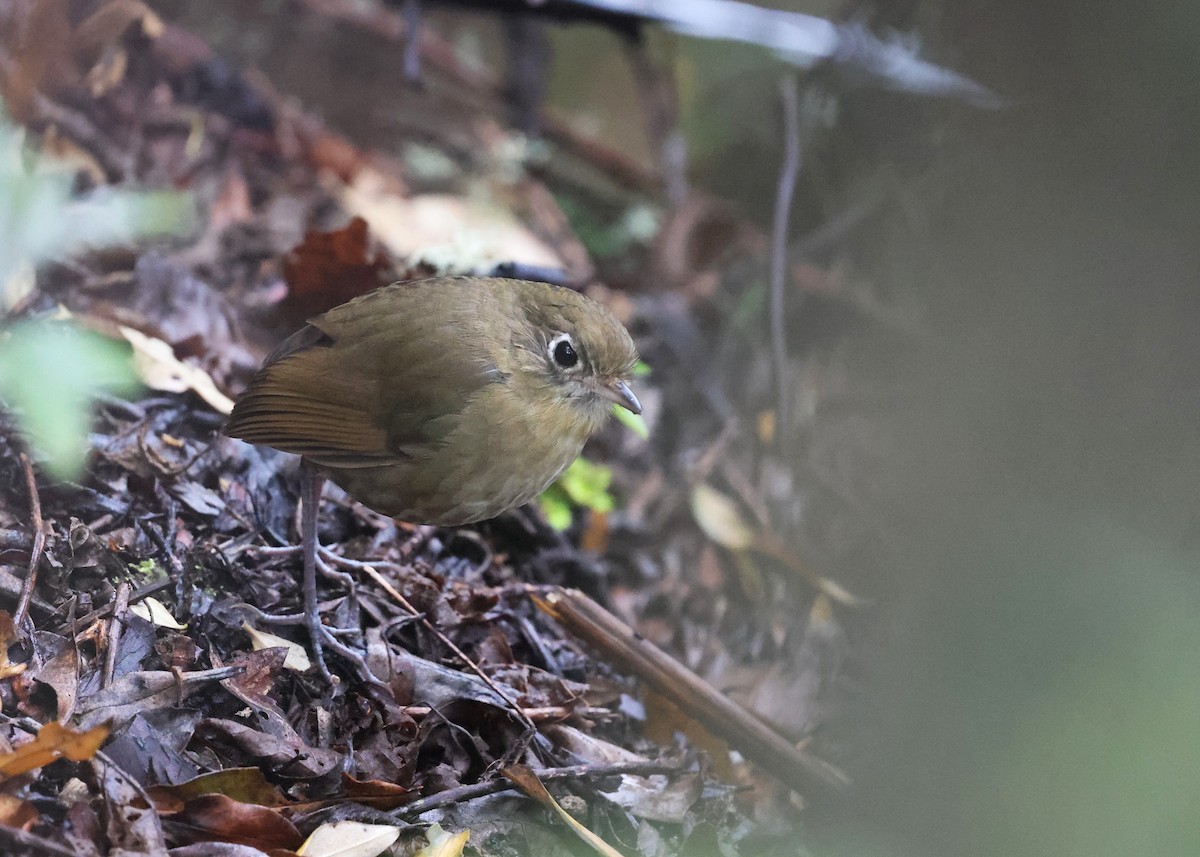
<point x="404" y="602"/>
<point x="578" y="772"/>
<point x="788" y="174"/>
<point x="742" y="729"/>
<point x="102" y="612"/>
<point x="120" y="605"/>
<point x="24" y="842"/>
<point x="35" y="552"/>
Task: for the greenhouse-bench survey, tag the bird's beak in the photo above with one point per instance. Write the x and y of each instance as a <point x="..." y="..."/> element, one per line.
<point x="619" y="392"/>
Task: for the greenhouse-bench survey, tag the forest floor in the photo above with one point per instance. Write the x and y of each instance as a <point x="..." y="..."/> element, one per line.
<point x="496" y="652"/>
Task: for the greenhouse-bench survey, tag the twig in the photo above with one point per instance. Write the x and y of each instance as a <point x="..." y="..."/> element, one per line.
<point x="553" y="713"/>
<point x="742" y="729"/>
<point x="35" y="552"/>
<point x="579" y="772"/>
<point x="120" y="605"/>
<point x="786" y="190"/>
<point x="18" y="841"/>
<point x="404" y="602"/>
<point x="101" y="612"/>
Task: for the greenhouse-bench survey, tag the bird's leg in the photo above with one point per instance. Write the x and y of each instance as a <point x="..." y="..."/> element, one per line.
<point x="323" y="638"/>
<point x="311" y="483"/>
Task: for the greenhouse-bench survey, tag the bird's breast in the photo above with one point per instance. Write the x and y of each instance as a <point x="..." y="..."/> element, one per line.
<point x="503" y="451"/>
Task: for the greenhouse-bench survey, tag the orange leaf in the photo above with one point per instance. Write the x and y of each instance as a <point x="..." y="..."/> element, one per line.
<point x="54" y="741"/>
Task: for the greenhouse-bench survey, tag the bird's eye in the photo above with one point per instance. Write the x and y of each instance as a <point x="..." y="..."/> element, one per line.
<point x="563" y="352"/>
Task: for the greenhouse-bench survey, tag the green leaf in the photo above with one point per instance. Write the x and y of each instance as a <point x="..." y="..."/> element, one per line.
<point x="586" y="484"/>
<point x="48" y="373"/>
<point x="582" y="484"/>
<point x="556" y="506"/>
<point x="41" y="219"/>
<point x="634" y="422"/>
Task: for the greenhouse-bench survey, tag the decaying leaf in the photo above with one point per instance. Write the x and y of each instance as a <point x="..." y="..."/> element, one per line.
<point x="131" y="694"/>
<point x="450" y="233"/>
<point x="246" y="785"/>
<point x="330" y="268"/>
<point x="159" y="369"/>
<point x="53" y="741"/>
<point x="719" y="518"/>
<point x="297" y="658"/>
<point x="379" y="794"/>
<point x="215" y="817"/>
<point x="349" y="839"/>
<point x="655" y="796"/>
<point x="16" y="811"/>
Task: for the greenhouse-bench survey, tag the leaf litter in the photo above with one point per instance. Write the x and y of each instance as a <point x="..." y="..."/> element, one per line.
<point x="212" y="731"/>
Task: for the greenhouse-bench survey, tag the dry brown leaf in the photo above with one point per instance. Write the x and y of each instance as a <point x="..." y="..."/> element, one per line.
<point x="108" y="24"/>
<point x="97" y="43"/>
<point x="451" y="233"/>
<point x="17" y="812"/>
<point x="720" y="519"/>
<point x="330" y="268"/>
<point x="379" y="794"/>
<point x="140" y="691"/>
<point x="54" y="741"/>
<point x="154" y="611"/>
<point x="34" y="47"/>
<point x="215" y="817"/>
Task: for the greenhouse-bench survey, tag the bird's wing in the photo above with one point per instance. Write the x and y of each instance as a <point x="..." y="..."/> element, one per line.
<point x="377" y="381"/>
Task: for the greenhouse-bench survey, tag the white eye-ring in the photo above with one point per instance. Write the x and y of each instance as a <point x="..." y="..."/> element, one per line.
<point x="561" y="350"/>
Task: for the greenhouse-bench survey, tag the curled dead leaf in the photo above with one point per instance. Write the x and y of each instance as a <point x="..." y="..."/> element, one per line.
<point x="159" y="369"/>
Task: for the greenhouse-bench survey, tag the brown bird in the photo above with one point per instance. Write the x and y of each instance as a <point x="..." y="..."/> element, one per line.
<point x="442" y="401"/>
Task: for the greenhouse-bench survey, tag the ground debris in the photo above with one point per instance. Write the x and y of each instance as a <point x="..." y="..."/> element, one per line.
<point x="219" y="734"/>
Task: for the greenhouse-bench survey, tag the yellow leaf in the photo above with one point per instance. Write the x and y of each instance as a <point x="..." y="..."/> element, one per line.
<point x="719" y="518"/>
<point x="297" y="658"/>
<point x="153" y="610"/>
<point x="443" y="843"/>
<point x="349" y="839"/>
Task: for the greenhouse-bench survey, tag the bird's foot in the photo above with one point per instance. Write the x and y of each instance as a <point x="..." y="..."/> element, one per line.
<point x="323" y="637"/>
<point x="326" y="560"/>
